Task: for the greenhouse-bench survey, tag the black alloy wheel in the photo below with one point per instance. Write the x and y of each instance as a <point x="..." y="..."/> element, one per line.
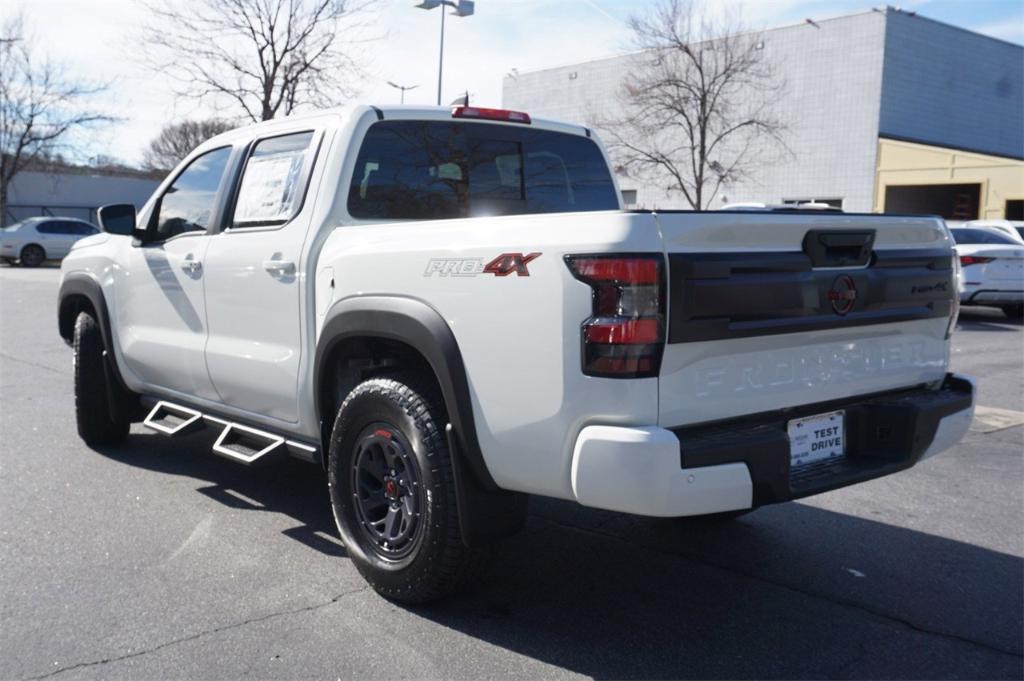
<point x="386" y="490"/>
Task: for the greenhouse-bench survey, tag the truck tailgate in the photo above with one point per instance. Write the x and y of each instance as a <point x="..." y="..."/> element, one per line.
<point x="769" y="311"/>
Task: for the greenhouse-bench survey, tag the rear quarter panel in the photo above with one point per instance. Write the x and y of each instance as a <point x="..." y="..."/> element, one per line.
<point x="519" y="336"/>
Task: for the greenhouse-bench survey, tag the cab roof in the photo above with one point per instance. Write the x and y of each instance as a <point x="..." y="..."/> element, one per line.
<point x="386" y="112"/>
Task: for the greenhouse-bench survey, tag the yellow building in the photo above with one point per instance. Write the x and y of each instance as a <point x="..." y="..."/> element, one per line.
<point x="961" y="185"/>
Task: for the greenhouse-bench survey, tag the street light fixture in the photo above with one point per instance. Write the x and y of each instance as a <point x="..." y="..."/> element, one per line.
<point x="463" y="8"/>
<point x="403" y="88"/>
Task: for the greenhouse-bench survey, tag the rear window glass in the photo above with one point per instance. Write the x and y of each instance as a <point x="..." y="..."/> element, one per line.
<point x="979" y="236"/>
<point x="420" y="170"/>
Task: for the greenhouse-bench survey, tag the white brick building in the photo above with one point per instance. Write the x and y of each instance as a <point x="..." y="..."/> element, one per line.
<point x="854" y="86"/>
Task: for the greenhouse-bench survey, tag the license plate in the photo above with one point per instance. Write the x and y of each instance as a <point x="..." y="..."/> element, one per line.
<point x="816" y="438"/>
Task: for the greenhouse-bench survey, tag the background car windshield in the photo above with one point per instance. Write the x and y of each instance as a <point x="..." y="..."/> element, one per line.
<point x="419" y="170"/>
<point x="980" y="236"/>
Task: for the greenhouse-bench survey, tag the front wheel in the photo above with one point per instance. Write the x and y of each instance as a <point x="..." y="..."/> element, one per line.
<point x="100" y="409"/>
<point x="393" y="494"/>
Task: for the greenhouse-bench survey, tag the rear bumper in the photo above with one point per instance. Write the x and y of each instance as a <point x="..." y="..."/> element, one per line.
<point x="745" y="462"/>
<point x="992" y="297"/>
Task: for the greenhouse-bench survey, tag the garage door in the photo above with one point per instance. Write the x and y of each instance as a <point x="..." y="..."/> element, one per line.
<point x="951" y="201"/>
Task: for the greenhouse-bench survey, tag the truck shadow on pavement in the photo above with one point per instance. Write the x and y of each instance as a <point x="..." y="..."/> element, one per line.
<point x="288" y="487"/>
<point x="986" y="319"/>
<point x="791" y="591"/>
<point x="788" y="592"/>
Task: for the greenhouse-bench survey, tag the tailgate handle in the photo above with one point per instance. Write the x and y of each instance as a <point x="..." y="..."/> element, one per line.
<point x="839" y="248"/>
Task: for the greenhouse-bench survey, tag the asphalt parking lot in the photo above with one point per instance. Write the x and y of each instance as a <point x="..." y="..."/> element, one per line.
<point x="156" y="559"/>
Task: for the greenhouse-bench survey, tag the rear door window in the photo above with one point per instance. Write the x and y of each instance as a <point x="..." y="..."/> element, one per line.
<point x="274" y="181"/>
<point x="422" y="170"/>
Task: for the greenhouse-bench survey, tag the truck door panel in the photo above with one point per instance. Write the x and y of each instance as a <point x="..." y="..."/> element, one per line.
<point x="253" y="282"/>
<point x="161" y="308"/>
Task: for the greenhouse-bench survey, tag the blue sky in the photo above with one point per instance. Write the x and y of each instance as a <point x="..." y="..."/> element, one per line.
<point x="479" y="50"/>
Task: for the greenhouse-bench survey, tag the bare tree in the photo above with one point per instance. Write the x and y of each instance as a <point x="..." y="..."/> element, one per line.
<point x="39" y="107"/>
<point x="177" y="140"/>
<point x="257" y="58"/>
<point x="697" y="106"/>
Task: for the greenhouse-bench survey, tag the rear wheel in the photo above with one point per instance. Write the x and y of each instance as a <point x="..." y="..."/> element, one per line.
<point x="100" y="409"/>
<point x="393" y="494"/>
<point x="32" y="256"/>
<point x="1014" y="311"/>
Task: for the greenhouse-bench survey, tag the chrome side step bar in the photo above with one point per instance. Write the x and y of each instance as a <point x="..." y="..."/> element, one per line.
<point x="173" y="419"/>
<point x="246" y="445"/>
<point x="241" y="443"/>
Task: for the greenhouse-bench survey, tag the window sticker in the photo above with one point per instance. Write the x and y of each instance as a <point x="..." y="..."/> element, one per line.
<point x="270" y="187"/>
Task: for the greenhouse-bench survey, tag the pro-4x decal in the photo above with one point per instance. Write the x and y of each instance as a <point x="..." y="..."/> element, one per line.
<point x="507" y="263"/>
<point x="501" y="266"/>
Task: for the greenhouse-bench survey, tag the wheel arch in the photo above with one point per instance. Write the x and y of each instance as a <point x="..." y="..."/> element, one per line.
<point x="486" y="512"/>
<point x="409" y="325"/>
<point x="81" y="293"/>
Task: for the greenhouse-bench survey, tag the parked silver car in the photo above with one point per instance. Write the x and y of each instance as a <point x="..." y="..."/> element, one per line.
<point x="35" y="240"/>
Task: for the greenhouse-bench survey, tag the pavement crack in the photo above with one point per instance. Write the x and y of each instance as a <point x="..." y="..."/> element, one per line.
<point x="200" y="634"/>
<point x="30" y="363"/>
<point x="854" y="605"/>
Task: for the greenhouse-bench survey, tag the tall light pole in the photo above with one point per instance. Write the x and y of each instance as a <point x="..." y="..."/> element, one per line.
<point x="403" y="88"/>
<point x="463" y="8"/>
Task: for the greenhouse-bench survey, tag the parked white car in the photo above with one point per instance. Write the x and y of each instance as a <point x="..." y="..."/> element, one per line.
<point x="449" y="310"/>
<point x="1011" y="228"/>
<point x="992" y="263"/>
<point x="36" y="240"/>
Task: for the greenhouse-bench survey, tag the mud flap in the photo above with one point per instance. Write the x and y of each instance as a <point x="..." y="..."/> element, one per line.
<point x="484" y="516"/>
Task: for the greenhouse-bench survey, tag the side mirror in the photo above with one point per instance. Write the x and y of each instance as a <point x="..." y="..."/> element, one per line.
<point x="118" y="218"/>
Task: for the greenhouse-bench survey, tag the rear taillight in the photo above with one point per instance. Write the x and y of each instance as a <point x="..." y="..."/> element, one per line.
<point x="625" y="334"/>
<point x="966" y="260"/>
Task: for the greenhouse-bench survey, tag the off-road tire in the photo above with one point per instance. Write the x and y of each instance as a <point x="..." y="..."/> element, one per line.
<point x="100" y="409"/>
<point x="32" y="256"/>
<point x="438" y="562"/>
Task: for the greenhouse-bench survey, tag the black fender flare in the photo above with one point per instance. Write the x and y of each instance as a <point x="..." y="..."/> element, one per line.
<point x="87" y="287"/>
<point x="83" y="285"/>
<point x="421" y="327"/>
<point x="486" y="512"/>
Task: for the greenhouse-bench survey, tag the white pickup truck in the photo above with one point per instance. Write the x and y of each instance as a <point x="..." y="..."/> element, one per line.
<point x="449" y="310"/>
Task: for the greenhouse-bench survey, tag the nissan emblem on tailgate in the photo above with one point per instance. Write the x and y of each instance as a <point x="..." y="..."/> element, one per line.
<point x="843" y="294"/>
